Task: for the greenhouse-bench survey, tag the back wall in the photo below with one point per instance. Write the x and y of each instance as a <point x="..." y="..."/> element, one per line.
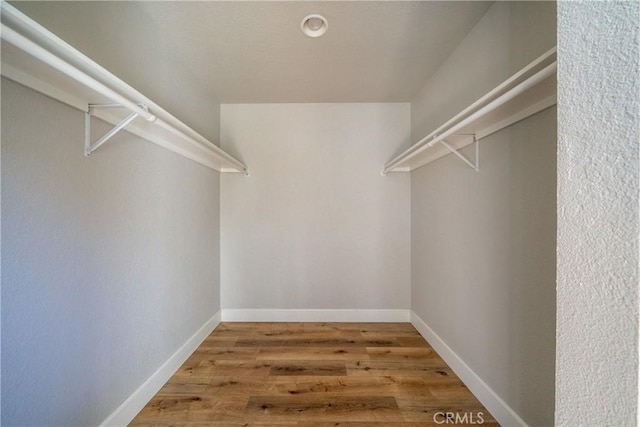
<point x="315" y="226"/>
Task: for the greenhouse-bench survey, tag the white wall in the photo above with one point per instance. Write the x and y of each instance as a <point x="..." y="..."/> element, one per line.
<point x="315" y="226"/>
<point x="598" y="147"/>
<point x="483" y="247"/>
<point x="109" y="264"/>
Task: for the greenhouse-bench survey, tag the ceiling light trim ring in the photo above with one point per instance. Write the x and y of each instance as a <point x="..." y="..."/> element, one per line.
<point x="314" y="25"/>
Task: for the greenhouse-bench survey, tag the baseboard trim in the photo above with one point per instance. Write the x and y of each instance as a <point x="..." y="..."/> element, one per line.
<point x="276" y="315"/>
<point x="139" y="398"/>
<point x="485" y="394"/>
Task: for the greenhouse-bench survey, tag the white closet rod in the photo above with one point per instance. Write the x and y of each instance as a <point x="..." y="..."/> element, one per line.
<point x="23" y="43"/>
<point x="26" y="45"/>
<point x="501" y="100"/>
<point x="545" y="56"/>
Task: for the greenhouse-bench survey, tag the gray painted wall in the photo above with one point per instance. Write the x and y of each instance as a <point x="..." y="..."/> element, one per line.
<point x="483" y="261"/>
<point x="598" y="148"/>
<point x="315" y="226"/>
<point x="483" y="244"/>
<point x="109" y="264"/>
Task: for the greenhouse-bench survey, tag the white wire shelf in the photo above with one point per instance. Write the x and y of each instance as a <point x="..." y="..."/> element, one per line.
<point x="527" y="92"/>
<point x="37" y="58"/>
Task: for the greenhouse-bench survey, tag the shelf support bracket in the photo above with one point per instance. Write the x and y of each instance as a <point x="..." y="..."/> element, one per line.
<point x="90" y="147"/>
<point x="475" y="165"/>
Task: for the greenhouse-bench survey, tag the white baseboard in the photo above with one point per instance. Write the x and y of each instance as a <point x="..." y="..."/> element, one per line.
<point x="485" y="394"/>
<point x="276" y="315"/>
<point x="134" y="403"/>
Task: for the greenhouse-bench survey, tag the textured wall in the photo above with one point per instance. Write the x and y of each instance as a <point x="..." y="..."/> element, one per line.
<point x="109" y="264"/>
<point x="598" y="137"/>
<point x="483" y="244"/>
<point x="315" y="226"/>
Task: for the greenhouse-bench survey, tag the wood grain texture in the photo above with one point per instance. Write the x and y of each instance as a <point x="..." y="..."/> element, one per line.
<point x="308" y="368"/>
<point x="313" y="375"/>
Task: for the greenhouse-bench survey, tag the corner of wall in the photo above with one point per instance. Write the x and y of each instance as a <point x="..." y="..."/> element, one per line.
<point x="498" y="408"/>
<point x="127" y="411"/>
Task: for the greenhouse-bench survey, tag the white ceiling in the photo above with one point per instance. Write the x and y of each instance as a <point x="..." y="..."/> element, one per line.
<point x="248" y="52"/>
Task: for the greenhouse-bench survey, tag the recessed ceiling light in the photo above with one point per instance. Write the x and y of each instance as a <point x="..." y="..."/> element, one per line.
<point x="314" y="25"/>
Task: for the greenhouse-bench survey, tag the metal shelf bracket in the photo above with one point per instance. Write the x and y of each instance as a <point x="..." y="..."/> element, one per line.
<point x="91" y="147"/>
<point x="476" y="163"/>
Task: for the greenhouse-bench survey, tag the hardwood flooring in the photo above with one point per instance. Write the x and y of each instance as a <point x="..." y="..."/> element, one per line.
<point x="314" y="375"/>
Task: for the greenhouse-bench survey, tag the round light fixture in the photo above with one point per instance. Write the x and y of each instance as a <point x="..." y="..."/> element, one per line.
<point x="314" y="25"/>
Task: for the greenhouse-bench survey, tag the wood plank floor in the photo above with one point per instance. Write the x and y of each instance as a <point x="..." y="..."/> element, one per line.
<point x="314" y="374"/>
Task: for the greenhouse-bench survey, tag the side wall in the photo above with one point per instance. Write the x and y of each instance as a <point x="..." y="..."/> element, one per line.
<point x="598" y="147"/>
<point x="315" y="226"/>
<point x="109" y="264"/>
<point x="483" y="244"/>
